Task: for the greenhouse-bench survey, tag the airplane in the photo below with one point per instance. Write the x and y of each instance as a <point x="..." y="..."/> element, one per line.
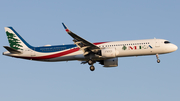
<point x="106" y="53"/>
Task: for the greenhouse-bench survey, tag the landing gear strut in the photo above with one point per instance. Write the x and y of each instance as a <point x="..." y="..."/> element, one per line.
<point x="157" y="56"/>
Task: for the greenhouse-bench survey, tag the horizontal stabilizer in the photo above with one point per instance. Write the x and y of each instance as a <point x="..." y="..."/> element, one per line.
<point x="12" y="50"/>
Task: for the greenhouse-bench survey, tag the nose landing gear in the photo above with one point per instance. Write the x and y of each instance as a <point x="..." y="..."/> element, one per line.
<point x="157" y="56"/>
<point x="158" y="61"/>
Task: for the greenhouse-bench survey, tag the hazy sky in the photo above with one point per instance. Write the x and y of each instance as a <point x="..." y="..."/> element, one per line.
<point x="135" y="79"/>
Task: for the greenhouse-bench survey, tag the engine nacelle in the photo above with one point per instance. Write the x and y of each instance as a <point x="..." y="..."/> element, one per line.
<point x="110" y="62"/>
<point x="108" y="53"/>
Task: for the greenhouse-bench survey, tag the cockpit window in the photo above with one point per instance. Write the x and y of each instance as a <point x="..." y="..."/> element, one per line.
<point x="166" y="42"/>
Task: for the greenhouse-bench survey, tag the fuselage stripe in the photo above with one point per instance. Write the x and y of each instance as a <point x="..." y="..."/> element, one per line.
<point x="57" y="54"/>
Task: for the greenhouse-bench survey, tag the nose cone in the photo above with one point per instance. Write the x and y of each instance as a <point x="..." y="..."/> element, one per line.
<point x="174" y="47"/>
<point x="170" y="48"/>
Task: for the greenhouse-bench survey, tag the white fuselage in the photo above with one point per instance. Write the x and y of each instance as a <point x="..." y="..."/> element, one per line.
<point x="120" y="49"/>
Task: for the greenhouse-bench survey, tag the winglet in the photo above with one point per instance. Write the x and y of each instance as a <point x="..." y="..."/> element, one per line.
<point x="67" y="30"/>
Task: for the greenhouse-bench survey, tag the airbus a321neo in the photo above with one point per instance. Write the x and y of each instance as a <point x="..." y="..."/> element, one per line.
<point x="106" y="53"/>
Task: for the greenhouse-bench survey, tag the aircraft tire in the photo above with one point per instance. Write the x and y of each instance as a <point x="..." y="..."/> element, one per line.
<point x="90" y="62"/>
<point x="92" y="68"/>
<point x="158" y="61"/>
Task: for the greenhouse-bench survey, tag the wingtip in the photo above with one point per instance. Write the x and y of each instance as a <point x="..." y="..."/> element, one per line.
<point x="65" y="27"/>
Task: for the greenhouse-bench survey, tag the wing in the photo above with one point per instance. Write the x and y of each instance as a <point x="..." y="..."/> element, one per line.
<point x="83" y="44"/>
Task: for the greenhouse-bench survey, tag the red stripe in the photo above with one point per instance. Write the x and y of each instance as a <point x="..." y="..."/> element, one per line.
<point x="57" y="54"/>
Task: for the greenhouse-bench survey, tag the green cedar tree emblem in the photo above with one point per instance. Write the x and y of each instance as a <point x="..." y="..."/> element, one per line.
<point x="14" y="43"/>
<point x="124" y="47"/>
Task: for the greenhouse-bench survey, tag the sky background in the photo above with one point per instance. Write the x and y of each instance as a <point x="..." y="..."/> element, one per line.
<point x="135" y="79"/>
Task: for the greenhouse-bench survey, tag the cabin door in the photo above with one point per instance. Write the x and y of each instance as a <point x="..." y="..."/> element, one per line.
<point x="33" y="53"/>
<point x="157" y="43"/>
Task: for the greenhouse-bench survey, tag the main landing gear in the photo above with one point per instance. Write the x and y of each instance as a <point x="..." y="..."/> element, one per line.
<point x="92" y="68"/>
<point x="157" y="56"/>
<point x="91" y="62"/>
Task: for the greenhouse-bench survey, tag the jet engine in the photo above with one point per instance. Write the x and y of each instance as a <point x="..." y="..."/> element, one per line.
<point x="113" y="62"/>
